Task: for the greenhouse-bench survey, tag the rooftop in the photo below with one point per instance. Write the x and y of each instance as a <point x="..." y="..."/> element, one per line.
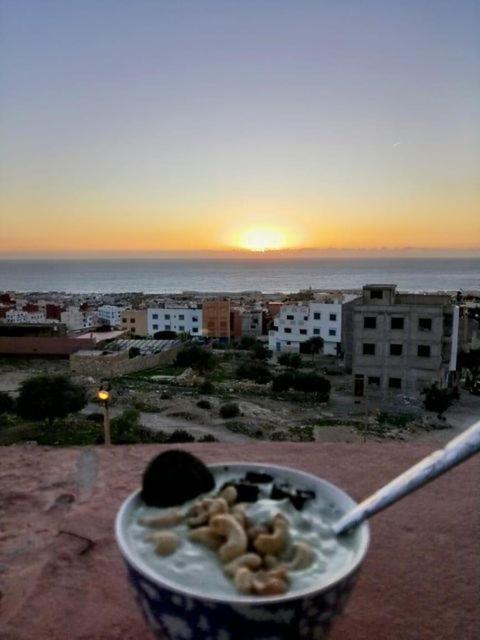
<point x="61" y="575"/>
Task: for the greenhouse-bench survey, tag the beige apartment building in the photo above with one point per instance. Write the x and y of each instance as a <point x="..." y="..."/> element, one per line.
<point x="216" y="319"/>
<point x="399" y="343"/>
<point x="135" y="322"/>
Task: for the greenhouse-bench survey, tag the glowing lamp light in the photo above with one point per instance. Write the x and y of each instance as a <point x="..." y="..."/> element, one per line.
<point x="103" y="395"/>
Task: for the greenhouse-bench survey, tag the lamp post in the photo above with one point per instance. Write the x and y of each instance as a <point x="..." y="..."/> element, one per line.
<point x="103" y="394"/>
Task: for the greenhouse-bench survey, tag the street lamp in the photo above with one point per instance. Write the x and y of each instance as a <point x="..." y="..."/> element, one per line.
<point x="103" y="394"/>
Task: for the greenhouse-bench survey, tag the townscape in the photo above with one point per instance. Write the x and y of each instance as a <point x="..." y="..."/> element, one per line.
<point x="315" y="365"/>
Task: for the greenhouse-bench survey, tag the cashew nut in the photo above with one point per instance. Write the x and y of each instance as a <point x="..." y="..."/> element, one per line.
<point x="250" y="560"/>
<point x="229" y="494"/>
<point x="268" y="584"/>
<point x="238" y="512"/>
<point x="166" y="542"/>
<point x="303" y="556"/>
<point x="271" y="562"/>
<point x="243" y="580"/>
<point x="273" y="543"/>
<point x="236" y="544"/>
<point x="164" y="520"/>
<point x="198" y="512"/>
<point x="219" y="505"/>
<point x="206" y="536"/>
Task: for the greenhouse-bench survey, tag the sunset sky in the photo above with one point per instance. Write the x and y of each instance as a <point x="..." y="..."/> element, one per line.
<point x="142" y="125"/>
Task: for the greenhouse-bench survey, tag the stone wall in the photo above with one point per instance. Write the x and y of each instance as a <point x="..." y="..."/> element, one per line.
<point x="116" y="364"/>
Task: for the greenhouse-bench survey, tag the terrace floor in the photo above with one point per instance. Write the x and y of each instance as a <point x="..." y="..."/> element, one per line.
<point x="62" y="577"/>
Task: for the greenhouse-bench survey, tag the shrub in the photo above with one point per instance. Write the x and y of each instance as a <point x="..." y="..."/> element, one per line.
<point x="7" y="403"/>
<point x="180" y="435"/>
<point x="48" y="397"/>
<point x="125" y="428"/>
<point x="436" y="399"/>
<point x="301" y="434"/>
<point x="292" y="360"/>
<point x="246" y="343"/>
<point x="207" y="387"/>
<point x="95" y="417"/>
<point x="229" y="410"/>
<point x="260" y="351"/>
<point x="312" y="383"/>
<point x="133" y="352"/>
<point x="283" y="382"/>
<point x="312" y="346"/>
<point x="208" y="438"/>
<point x="196" y="357"/>
<point x="278" y="436"/>
<point x="254" y="370"/>
<point x="204" y="404"/>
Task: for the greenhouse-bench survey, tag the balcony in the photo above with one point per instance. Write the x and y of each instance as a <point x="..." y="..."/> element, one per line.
<point x="62" y="576"/>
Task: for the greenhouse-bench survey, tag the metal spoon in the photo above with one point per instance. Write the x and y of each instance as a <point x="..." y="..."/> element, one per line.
<point x="456" y="451"/>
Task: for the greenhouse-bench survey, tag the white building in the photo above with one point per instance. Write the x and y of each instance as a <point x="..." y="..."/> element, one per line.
<point x="110" y="314"/>
<point x="178" y="319"/>
<point x="18" y="316"/>
<point x="75" y="319"/>
<point x="296" y="323"/>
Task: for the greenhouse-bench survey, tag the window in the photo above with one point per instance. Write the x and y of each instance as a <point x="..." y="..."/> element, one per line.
<point x="182" y="328"/>
<point x="275" y="328"/>
<point x="317" y="315"/>
<point x="333" y="317"/>
<point x="303" y="332"/>
<point x="289" y="343"/>
<point x="395" y="383"/>
<point x="181" y="317"/>
<point x="332" y="332"/>
<point x="167" y="327"/>
<point x="305" y="318"/>
<point x="167" y="316"/>
<point x="154" y="327"/>
<point x="290" y="317"/>
<point x="132" y="320"/>
<point x="124" y="319"/>
<point x="374" y="381"/>
<point x="287" y="330"/>
<point x="424" y="324"/>
<point x="155" y="316"/>
<point x="396" y="349"/>
<point x="368" y="349"/>
<point x="194" y="319"/>
<point x="195" y="330"/>
<point x="316" y="332"/>
<point x="370" y="322"/>
<point x="376" y="294"/>
<point x="397" y="323"/>
<point x="423" y="350"/>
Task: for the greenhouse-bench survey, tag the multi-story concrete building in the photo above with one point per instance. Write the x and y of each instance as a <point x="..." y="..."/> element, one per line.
<point x="21" y="316"/>
<point x="399" y="343"/>
<point x="216" y="319"/>
<point x="135" y="321"/>
<point x="75" y="319"/>
<point x="297" y="323"/>
<point x="178" y="319"/>
<point x="110" y="314"/>
<point x="246" y="322"/>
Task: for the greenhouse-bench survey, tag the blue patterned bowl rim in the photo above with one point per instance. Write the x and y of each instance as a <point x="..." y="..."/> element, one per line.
<point x="342" y="499"/>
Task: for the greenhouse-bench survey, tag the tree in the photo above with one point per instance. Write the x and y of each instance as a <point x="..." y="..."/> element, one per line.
<point x="254" y="370"/>
<point x="48" y="397"/>
<point x="283" y="382"/>
<point x="195" y="357"/>
<point x="312" y="346"/>
<point x="291" y="360"/>
<point x="312" y="383"/>
<point x="229" y="410"/>
<point x="125" y="427"/>
<point x="260" y="351"/>
<point x="436" y="399"/>
<point x="7" y="403"/>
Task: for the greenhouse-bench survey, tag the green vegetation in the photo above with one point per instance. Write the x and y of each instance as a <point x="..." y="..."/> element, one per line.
<point x="125" y="427"/>
<point x="48" y="397"/>
<point x="196" y="357"/>
<point x="291" y="360"/>
<point x="312" y="346"/>
<point x="254" y="370"/>
<point x="229" y="410"/>
<point x="207" y="387"/>
<point x="400" y="420"/>
<point x="436" y="399"/>
<point x="302" y="381"/>
<point x="208" y="438"/>
<point x="7" y="403"/>
<point x="204" y="404"/>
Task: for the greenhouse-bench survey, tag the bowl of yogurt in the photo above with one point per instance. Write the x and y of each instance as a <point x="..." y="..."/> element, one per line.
<point x="253" y="557"/>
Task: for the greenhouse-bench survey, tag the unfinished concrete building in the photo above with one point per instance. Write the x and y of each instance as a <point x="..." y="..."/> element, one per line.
<point x="399" y="343"/>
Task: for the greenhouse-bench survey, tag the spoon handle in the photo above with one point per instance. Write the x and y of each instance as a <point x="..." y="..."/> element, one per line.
<point x="456" y="451"/>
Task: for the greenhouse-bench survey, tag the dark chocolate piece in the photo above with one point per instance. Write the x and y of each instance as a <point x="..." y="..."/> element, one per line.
<point x="297" y="497"/>
<point x="174" y="477"/>
<point x="256" y="477"/>
<point x="245" y="492"/>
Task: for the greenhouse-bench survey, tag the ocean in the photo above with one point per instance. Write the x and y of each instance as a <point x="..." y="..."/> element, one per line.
<point x="268" y="276"/>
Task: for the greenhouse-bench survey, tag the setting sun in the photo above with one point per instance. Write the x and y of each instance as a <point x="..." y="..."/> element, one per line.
<point x="262" y="239"/>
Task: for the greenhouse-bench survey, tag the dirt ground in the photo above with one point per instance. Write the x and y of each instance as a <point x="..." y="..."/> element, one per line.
<point x="164" y="407"/>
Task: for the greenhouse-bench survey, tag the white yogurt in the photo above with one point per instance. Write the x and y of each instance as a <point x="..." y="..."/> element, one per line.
<point x="199" y="569"/>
